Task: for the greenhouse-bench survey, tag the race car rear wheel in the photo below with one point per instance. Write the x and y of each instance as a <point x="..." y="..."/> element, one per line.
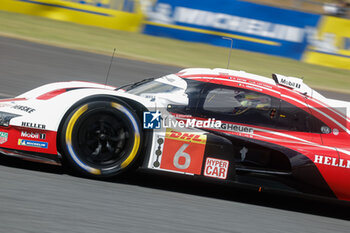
<point x="101" y="138"/>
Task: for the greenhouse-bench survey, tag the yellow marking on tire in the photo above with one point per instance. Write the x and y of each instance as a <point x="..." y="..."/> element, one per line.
<point x="136" y="145"/>
<point x="133" y="152"/>
<point x="72" y="121"/>
<point x="70" y="126"/>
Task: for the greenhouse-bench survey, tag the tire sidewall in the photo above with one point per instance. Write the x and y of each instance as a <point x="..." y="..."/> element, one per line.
<point x="70" y="131"/>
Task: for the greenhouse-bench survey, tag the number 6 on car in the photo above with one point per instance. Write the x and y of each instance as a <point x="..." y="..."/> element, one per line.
<point x="183" y="152"/>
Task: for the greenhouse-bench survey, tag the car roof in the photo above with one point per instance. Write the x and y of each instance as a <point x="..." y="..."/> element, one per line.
<point x="292" y="84"/>
<point x="222" y="73"/>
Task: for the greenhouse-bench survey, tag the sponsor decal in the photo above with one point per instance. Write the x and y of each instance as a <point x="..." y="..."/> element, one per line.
<point x="25" y="134"/>
<point x="331" y="161"/>
<point x="216" y="168"/>
<point x="24" y="142"/>
<point x="24" y="108"/>
<point x="177" y="115"/>
<point x="183" y="152"/>
<point x="254" y="88"/>
<point x="186" y="137"/>
<point x="336" y="132"/>
<point x="151" y="120"/>
<point x="3" y="137"/>
<point x="325" y="130"/>
<point x="33" y="125"/>
<point x="289" y="83"/>
<point x="165" y="14"/>
<point x="151" y="98"/>
<point x="236" y="128"/>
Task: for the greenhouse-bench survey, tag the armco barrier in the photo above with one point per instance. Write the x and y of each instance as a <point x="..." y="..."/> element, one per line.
<point x="77" y="13"/>
<point x="330" y="44"/>
<point x="253" y="27"/>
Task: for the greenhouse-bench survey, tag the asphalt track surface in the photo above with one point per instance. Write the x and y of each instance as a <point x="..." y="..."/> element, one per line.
<point x="42" y="198"/>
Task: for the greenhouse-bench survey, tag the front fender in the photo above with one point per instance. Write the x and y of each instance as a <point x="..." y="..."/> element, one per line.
<point x="49" y="113"/>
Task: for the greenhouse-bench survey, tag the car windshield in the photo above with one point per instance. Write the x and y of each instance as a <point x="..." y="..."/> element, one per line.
<point x="167" y="84"/>
<point x="153" y="87"/>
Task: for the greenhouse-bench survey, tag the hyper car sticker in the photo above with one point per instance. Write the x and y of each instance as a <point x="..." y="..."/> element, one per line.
<point x="216" y="168"/>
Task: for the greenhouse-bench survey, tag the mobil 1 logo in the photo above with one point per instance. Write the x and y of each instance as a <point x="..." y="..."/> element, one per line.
<point x="33" y="135"/>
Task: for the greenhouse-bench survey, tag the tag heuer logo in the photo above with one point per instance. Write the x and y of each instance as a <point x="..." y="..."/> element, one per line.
<point x="3" y="137"/>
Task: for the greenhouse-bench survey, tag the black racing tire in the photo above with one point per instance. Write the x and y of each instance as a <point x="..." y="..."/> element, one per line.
<point x="101" y="138"/>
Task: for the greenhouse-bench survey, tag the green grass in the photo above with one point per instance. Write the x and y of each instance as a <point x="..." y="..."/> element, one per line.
<point x="165" y="51"/>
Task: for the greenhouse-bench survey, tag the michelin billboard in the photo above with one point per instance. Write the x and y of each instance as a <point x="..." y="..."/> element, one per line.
<point x="253" y="27"/>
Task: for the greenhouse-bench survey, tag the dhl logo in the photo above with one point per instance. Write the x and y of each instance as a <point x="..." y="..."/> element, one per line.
<point x="187" y="137"/>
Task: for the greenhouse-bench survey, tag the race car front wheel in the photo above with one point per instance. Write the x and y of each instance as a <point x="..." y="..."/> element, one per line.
<point x="101" y="138"/>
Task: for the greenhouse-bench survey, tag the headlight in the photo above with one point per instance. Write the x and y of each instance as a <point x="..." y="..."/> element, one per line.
<point x="5" y="118"/>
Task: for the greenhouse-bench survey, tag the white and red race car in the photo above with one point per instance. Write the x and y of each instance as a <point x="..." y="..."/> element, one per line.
<point x="216" y="124"/>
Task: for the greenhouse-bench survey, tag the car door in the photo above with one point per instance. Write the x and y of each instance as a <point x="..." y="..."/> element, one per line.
<point x="248" y="118"/>
<point x="251" y="115"/>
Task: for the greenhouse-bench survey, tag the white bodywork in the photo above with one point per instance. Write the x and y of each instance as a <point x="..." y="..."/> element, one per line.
<point x="50" y="112"/>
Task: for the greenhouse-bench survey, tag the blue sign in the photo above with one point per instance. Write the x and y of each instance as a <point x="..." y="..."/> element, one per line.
<point x="23" y="142"/>
<point x="151" y="120"/>
<point x="252" y="26"/>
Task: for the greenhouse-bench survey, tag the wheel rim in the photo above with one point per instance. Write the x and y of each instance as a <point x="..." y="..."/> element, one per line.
<point x="104" y="139"/>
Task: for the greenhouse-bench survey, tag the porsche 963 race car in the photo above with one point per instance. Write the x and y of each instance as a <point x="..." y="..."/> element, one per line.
<point x="215" y="124"/>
